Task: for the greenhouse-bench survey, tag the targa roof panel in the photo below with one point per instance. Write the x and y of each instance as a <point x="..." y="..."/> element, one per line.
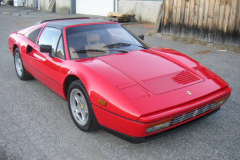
<point x="60" y="24"/>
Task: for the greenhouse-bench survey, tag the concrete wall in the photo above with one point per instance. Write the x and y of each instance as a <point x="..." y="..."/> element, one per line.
<point x="5" y="1"/>
<point x="29" y="3"/>
<point x="26" y="3"/>
<point x="145" y="11"/>
<point x="44" y="5"/>
<point x="63" y="6"/>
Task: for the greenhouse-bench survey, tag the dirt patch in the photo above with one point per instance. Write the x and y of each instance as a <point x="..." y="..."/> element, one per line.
<point x="151" y="26"/>
<point x="197" y="42"/>
<point x="204" y="52"/>
<point x="145" y="25"/>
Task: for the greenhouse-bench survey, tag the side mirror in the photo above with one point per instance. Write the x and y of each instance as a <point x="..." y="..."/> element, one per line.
<point x="141" y="37"/>
<point x="46" y="49"/>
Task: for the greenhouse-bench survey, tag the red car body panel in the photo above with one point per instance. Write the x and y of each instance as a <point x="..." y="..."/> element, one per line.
<point x="128" y="83"/>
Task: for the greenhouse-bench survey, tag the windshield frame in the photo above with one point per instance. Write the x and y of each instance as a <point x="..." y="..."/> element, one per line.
<point x="66" y="41"/>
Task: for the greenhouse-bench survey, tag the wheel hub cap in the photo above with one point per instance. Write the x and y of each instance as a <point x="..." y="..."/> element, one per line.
<point x="79" y="106"/>
<point x="18" y="64"/>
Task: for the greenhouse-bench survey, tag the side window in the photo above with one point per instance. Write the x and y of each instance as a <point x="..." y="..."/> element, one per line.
<point x="60" y="52"/>
<point x="50" y="36"/>
<point x="34" y="35"/>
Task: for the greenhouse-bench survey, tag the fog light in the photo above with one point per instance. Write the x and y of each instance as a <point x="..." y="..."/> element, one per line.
<point x="158" y="126"/>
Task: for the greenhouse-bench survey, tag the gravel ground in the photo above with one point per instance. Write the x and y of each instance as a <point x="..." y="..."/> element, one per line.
<point x="35" y="123"/>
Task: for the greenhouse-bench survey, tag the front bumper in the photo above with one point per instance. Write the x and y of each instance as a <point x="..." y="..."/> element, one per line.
<point x="135" y="131"/>
<point x="137" y="140"/>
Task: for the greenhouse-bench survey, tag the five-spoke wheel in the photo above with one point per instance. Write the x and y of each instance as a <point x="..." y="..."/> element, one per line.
<point x="80" y="107"/>
<point x="18" y="64"/>
<point x="21" y="71"/>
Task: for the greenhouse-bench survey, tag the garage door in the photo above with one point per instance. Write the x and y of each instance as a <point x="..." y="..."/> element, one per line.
<point x="94" y="7"/>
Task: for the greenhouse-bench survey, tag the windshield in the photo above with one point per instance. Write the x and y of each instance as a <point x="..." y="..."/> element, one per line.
<point x="101" y="39"/>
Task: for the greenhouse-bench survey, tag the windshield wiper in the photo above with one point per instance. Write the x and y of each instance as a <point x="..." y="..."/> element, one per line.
<point x="122" y="45"/>
<point x="98" y="50"/>
<point x="89" y="50"/>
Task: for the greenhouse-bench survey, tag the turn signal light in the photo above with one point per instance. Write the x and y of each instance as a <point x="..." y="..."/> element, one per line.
<point x="103" y="103"/>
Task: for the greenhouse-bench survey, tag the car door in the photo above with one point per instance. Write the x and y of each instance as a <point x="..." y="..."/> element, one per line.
<point x="49" y="65"/>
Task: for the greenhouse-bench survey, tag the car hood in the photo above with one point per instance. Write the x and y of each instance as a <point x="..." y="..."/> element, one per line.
<point x="154" y="72"/>
<point x="150" y="81"/>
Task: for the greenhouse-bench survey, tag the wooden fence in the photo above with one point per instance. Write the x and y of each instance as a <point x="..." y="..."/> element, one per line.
<point x="216" y="21"/>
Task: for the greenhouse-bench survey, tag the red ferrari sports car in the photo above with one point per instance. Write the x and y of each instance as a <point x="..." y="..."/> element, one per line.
<point x="111" y="78"/>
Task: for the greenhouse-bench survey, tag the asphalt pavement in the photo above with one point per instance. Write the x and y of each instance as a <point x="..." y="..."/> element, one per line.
<point x="35" y="122"/>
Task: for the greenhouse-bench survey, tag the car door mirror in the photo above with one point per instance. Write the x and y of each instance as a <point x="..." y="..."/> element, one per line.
<point x="141" y="37"/>
<point x="46" y="49"/>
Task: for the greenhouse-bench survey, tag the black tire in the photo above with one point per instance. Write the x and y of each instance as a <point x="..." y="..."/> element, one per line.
<point x="19" y="67"/>
<point x="80" y="107"/>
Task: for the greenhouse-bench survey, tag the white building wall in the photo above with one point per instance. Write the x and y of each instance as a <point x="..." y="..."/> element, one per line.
<point x="145" y="11"/>
<point x="94" y="7"/>
<point x="18" y="3"/>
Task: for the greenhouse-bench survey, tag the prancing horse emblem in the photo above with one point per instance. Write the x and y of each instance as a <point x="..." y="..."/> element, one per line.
<point x="190" y="93"/>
